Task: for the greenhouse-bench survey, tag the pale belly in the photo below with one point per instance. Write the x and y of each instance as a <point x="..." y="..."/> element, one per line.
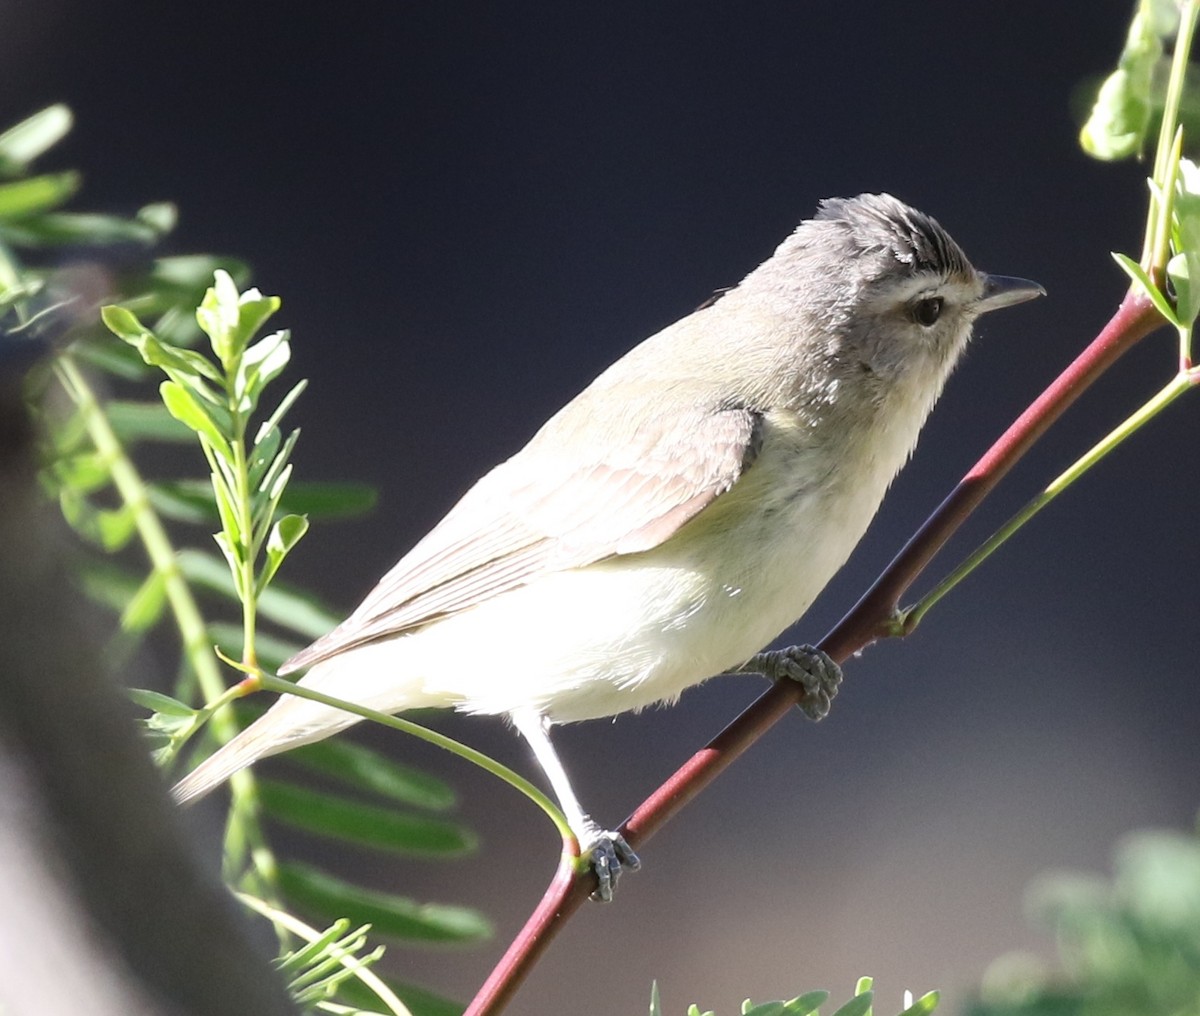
<point x="636" y="630"/>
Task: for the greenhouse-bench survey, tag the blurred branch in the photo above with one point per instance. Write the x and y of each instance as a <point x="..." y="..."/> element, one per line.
<point x="145" y="928"/>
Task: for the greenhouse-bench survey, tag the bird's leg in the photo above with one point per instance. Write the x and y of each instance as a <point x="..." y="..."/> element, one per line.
<point x="816" y="673"/>
<point x="607" y="851"/>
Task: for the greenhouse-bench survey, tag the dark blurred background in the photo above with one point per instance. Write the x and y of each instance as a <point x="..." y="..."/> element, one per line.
<point x="470" y="209"/>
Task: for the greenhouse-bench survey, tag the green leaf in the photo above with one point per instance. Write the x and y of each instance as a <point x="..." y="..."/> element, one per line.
<point x="207" y="571"/>
<point x="389" y="915"/>
<point x="288" y="607"/>
<point x="1146" y="285"/>
<point x="181" y="405"/>
<point x="174" y="286"/>
<point x="763" y="1009"/>
<point x="271" y="651"/>
<point x="146" y="607"/>
<point x="859" y="1005"/>
<point x="107" y="583"/>
<point x="296" y="960"/>
<point x="68" y="435"/>
<point x="807" y="1003"/>
<point x="1120" y="118"/>
<point x="328" y="500"/>
<point x="123" y="323"/>
<point x="223" y="496"/>
<point x="156" y="702"/>
<point x="189" y="501"/>
<point x="1184" y="268"/>
<point x="316" y="970"/>
<point x="285" y="534"/>
<point x="365" y="769"/>
<point x="36" y="194"/>
<point x="261" y="455"/>
<point x="285" y="404"/>
<point x="233" y="558"/>
<point x="924" y="1005"/>
<point x="260" y="364"/>
<point x="655" y="1003"/>
<point x="420" y="1001"/>
<point x="10" y="295"/>
<point x="113" y="356"/>
<point x="230" y="320"/>
<point x="1187" y="288"/>
<point x="21" y="144"/>
<point x="193" y="272"/>
<point x="109" y="528"/>
<point x="296" y="611"/>
<point x="115" y="528"/>
<point x="366" y="825"/>
<point x="60" y="228"/>
<point x="162" y="216"/>
<point x="145" y="421"/>
<point x="83" y="472"/>
<point x="265" y="503"/>
<point x="279" y="465"/>
<point x="217" y="316"/>
<point x="162" y="725"/>
<point x="184" y="366"/>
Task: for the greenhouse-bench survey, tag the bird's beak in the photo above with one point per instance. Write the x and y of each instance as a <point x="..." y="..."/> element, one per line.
<point x="1004" y="291"/>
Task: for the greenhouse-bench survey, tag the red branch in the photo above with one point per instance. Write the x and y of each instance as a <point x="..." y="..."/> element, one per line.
<point x="870" y="619"/>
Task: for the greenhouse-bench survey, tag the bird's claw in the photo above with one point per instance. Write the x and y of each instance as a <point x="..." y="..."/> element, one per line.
<point x="811" y="668"/>
<point x="608" y="855"/>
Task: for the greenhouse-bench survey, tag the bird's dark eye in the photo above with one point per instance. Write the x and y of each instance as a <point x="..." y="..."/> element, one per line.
<point x="926" y="311"/>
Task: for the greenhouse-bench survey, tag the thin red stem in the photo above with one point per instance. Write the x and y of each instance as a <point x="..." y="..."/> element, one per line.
<point x="561" y="899"/>
<point x="873" y="617"/>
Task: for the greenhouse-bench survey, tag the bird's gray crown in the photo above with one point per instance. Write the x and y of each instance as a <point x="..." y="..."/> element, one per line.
<point x="880" y="224"/>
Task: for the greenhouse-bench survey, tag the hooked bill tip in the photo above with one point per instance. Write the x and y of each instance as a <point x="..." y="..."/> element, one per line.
<point x="1005" y="291"/>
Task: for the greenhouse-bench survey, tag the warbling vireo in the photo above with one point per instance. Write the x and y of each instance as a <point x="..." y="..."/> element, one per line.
<point x="676" y="515"/>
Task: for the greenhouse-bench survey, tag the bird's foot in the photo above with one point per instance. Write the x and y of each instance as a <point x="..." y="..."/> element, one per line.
<point x="812" y="669"/>
<point x="607" y="854"/>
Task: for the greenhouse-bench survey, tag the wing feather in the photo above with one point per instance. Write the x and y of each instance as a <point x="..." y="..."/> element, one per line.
<point x="538" y="513"/>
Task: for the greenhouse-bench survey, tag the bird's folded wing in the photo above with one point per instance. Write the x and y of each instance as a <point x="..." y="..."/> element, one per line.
<point x="543" y="511"/>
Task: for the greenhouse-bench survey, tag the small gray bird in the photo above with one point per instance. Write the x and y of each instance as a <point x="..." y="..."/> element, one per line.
<point x="675" y="516"/>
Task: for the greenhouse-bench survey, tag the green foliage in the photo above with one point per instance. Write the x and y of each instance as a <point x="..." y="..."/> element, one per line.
<point x="217" y="401"/>
<point x="1120" y="120"/>
<point x="395" y="916"/>
<point x="809" y="1004"/>
<point x="1128" y="946"/>
<point x="180" y="346"/>
<point x="1184" y="267"/>
<point x="368" y="770"/>
<point x="382" y="828"/>
<point x="331" y="972"/>
<point x="32" y="137"/>
<point x="316" y="970"/>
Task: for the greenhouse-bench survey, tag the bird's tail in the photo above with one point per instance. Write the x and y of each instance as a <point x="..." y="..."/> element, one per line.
<point x="280" y="728"/>
<point x="217" y="768"/>
<point x="375" y="675"/>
